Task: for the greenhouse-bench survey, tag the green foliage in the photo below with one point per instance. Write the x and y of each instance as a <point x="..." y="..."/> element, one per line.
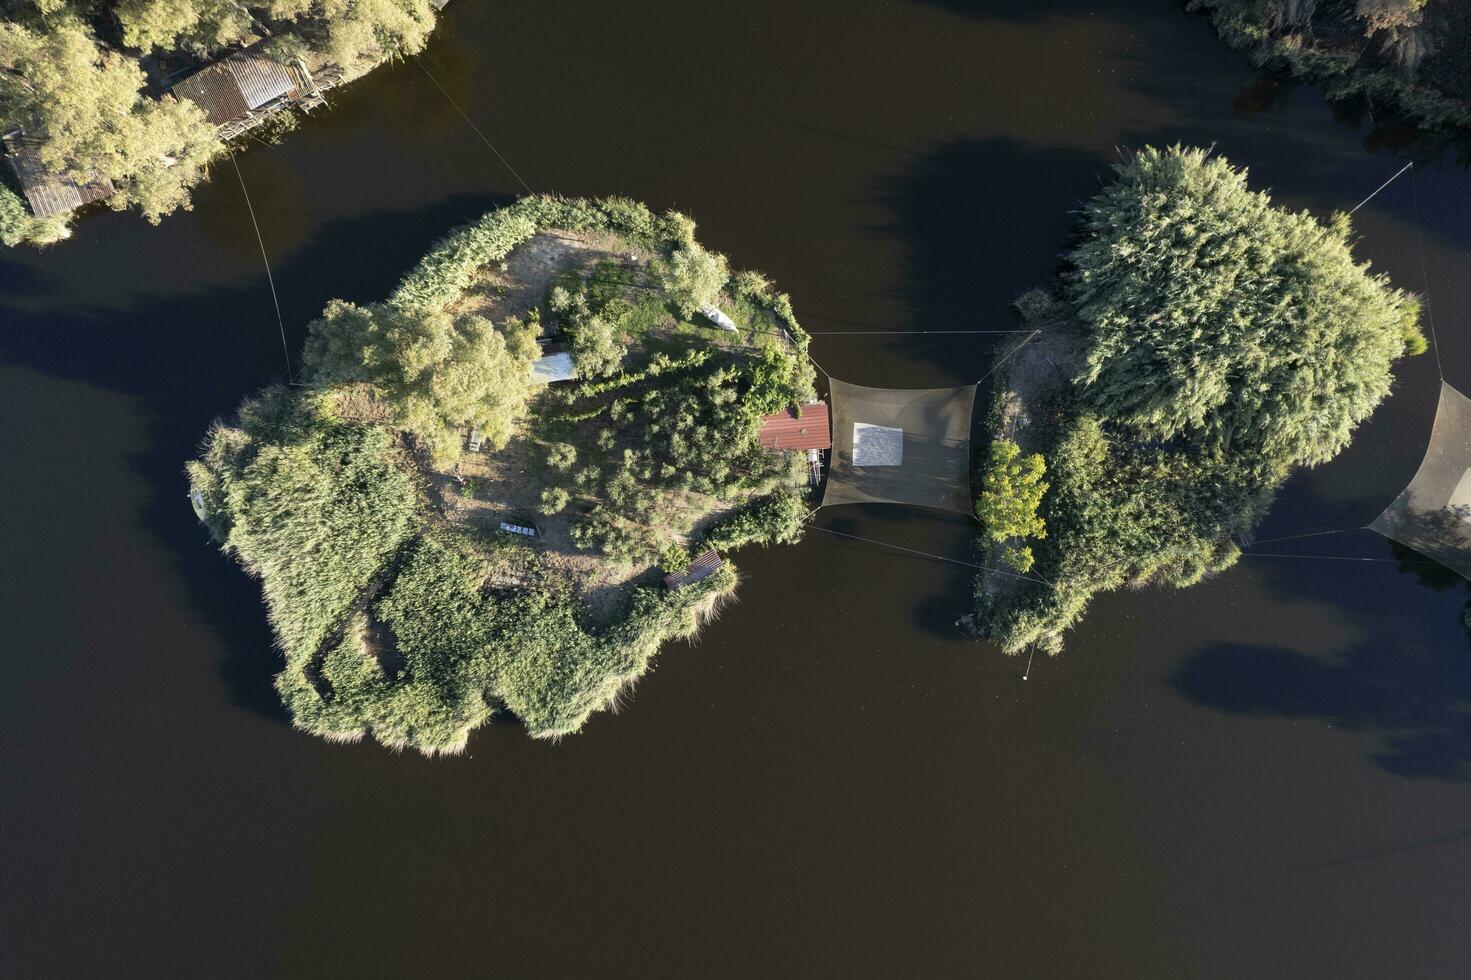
<point x="316" y="509"/>
<point x="554" y="500"/>
<point x="693" y="277"/>
<point x="1011" y="494"/>
<point x="1213" y="315"/>
<point x="437" y="373"/>
<point x="85" y="105"/>
<point x="1224" y="342"/>
<point x="1406" y="54"/>
<point x="413" y="633"/>
<point x="84" y="100"/>
<point x="18" y="225"/>
<point x="774" y="519"/>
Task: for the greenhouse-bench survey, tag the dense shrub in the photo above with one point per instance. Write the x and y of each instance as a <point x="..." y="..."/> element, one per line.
<point x="1211" y="314"/>
<point x="1222" y="342"/>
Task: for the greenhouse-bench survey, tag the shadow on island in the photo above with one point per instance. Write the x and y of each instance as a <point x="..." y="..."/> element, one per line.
<point x="191" y="358"/>
<point x="1408" y="688"/>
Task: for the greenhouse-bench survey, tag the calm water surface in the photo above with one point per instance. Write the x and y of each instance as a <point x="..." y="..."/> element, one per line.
<point x="1264" y="775"/>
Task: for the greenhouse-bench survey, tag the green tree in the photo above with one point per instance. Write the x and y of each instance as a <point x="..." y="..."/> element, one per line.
<point x="438" y="373"/>
<point x="596" y="352"/>
<point x="1212" y="315"/>
<point x="554" y="500"/>
<point x="561" y="456"/>
<point x="86" y="107"/>
<point x="1010" y="499"/>
<point x="693" y="277"/>
<point x="203" y="26"/>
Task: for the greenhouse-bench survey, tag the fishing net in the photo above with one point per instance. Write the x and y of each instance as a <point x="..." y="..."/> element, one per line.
<point x="901" y="447"/>
<point x="1433" y="515"/>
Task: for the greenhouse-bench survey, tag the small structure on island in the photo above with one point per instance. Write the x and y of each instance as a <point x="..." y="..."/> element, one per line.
<point x="806" y="429"/>
<point x="701" y="568"/>
<point x="899" y="446"/>
<point x="716" y="316"/>
<point x="48" y="194"/>
<point x="550" y="368"/>
<point x="241" y="90"/>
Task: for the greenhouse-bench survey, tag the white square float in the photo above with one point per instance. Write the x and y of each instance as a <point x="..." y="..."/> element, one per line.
<point x="877" y="445"/>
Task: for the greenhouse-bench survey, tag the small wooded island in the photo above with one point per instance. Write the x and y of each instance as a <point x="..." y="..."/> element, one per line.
<point x="500" y="488"/>
<point x="1198" y="346"/>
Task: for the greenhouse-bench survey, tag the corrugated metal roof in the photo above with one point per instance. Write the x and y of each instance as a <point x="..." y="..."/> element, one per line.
<point x="784" y="430"/>
<point x="234" y="86"/>
<point x="47" y="193"/>
<point x="701" y="568"/>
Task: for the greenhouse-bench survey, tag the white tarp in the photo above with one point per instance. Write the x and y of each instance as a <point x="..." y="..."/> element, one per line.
<point x="877" y="445"/>
<point x="553" y="367"/>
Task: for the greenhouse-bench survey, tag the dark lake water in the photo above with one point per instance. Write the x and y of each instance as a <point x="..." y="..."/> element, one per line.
<point x="1265" y="775"/>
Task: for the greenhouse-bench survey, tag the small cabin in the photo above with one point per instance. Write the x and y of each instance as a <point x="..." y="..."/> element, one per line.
<point x="48" y="194"/>
<point x="789" y="430"/>
<point x="701" y="568"/>
<point x="238" y="91"/>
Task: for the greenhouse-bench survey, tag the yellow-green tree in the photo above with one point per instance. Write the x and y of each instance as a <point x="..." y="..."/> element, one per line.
<point x="86" y="107"/>
<point x="438" y="373"/>
<point x="1011" y="495"/>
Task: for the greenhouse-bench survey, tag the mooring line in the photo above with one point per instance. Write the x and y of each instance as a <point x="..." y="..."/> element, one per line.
<point x="1030" y="337"/>
<point x="280" y="320"/>
<point x="1382" y="186"/>
<point x="1425" y="277"/>
<point x="1391" y="561"/>
<point x="483" y="138"/>
<point x="888" y="333"/>
<point x="927" y="554"/>
<point x="1310" y="534"/>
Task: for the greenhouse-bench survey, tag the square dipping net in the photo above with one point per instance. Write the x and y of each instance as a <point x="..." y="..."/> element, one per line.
<point x="895" y="446"/>
<point x="1433" y="514"/>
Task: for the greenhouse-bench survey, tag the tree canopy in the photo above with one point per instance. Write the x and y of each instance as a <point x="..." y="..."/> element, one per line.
<point x="83" y="97"/>
<point x="1203" y="344"/>
<point x="438" y="373"/>
<point x="1211" y="314"/>
<point x="86" y="107"/>
<point x="1011" y="495"/>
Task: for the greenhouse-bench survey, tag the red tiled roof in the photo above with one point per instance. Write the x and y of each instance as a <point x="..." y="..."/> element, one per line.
<point x="784" y="430"/>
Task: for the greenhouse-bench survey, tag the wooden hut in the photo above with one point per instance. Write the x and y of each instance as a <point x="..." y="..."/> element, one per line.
<point x="701" y="568"/>
<point x="239" y="91"/>
<point x="46" y="193"/>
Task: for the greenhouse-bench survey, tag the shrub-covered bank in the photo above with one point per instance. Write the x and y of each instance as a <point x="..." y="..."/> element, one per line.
<point x="85" y="79"/>
<point x="1200" y="345"/>
<point x="1412" y="56"/>
<point x="402" y="611"/>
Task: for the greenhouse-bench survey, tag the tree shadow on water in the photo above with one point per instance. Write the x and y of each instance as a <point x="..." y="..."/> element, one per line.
<point x="982" y="221"/>
<point x="1407" y="681"/>
<point x="190" y="358"/>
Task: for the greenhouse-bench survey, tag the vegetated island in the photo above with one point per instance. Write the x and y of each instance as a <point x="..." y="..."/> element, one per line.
<point x="1409" y="56"/>
<point x="1198" y="346"/>
<point x="417" y="586"/>
<point x="128" y="101"/>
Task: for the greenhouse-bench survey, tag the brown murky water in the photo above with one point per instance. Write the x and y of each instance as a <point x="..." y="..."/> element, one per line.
<point x="1264" y="775"/>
